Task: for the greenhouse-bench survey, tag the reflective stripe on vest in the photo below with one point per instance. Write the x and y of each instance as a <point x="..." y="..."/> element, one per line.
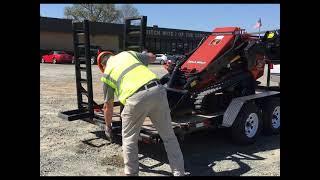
<point x="126" y="76"/>
<point x="126" y="71"/>
<point x="134" y="55"/>
<point x="107" y="77"/>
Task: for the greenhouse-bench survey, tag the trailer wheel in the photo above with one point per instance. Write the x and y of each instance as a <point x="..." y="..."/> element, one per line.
<point x="271" y="117"/>
<point x="247" y="125"/>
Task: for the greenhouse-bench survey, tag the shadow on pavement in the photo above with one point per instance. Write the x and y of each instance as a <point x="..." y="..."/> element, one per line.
<point x="201" y="151"/>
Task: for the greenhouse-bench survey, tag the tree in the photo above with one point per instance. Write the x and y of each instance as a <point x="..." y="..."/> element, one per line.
<point x="93" y="12"/>
<point x="127" y="10"/>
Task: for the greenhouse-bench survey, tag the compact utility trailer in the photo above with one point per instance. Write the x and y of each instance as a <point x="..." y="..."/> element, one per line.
<point x="246" y="113"/>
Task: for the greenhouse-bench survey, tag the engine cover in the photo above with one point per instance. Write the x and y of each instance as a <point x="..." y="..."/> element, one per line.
<point x="210" y="49"/>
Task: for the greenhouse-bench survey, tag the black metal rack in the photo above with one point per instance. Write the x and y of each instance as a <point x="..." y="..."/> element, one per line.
<point x="134" y="35"/>
<point x="81" y="39"/>
<point x="87" y="109"/>
<point x="81" y="31"/>
<point x="82" y="64"/>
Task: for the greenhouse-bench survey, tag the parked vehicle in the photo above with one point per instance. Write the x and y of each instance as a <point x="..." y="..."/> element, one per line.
<point x="94" y="51"/>
<point x="43" y="52"/>
<point x="179" y="56"/>
<point x="171" y="59"/>
<point x="161" y="59"/>
<point x="275" y="73"/>
<point x="275" y="69"/>
<point x="57" y="57"/>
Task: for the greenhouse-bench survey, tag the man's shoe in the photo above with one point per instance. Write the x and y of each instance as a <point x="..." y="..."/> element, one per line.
<point x="130" y="174"/>
<point x="176" y="173"/>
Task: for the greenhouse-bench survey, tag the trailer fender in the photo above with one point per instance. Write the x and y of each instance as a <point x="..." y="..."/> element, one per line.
<point x="236" y="104"/>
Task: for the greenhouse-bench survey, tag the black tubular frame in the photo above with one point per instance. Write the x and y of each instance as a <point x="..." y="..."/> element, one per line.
<point x="86" y="110"/>
<point x="134" y="31"/>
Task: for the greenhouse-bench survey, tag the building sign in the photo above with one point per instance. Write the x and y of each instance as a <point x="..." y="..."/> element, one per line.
<point x="175" y="34"/>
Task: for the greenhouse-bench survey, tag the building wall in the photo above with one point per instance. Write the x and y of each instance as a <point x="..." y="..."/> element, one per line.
<point x="64" y="41"/>
<point x="171" y="46"/>
<point x="56" y="34"/>
<point x="107" y="42"/>
<point x="172" y="41"/>
<point x="56" y="41"/>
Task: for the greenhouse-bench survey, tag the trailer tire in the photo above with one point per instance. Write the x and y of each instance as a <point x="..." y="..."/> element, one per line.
<point x="271" y="117"/>
<point x="247" y="125"/>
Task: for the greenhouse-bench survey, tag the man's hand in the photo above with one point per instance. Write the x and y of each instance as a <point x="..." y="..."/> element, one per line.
<point x="108" y="111"/>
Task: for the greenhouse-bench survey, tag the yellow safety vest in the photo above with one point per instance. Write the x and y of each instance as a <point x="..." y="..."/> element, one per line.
<point x="126" y="74"/>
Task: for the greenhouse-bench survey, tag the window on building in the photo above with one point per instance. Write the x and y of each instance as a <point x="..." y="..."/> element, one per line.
<point x="195" y="44"/>
<point x="169" y="46"/>
<point x="190" y="46"/>
<point x="152" y="45"/>
<point x="163" y="46"/>
<point x="173" y="47"/>
<point x="173" y="44"/>
<point x="158" y="45"/>
<point x="185" y="45"/>
<point x="179" y="49"/>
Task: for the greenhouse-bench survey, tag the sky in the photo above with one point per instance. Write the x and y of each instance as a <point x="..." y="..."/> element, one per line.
<point x="200" y="17"/>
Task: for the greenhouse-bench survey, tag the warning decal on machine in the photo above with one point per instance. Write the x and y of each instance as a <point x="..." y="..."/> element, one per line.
<point x="219" y="37"/>
<point x="216" y="40"/>
<point x="196" y="62"/>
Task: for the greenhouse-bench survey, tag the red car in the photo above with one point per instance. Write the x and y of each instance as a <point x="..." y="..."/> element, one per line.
<point x="57" y="57"/>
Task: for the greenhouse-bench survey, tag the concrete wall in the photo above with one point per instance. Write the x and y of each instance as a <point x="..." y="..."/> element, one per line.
<point x="56" y="41"/>
<point x="64" y="41"/>
<point x="107" y="42"/>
